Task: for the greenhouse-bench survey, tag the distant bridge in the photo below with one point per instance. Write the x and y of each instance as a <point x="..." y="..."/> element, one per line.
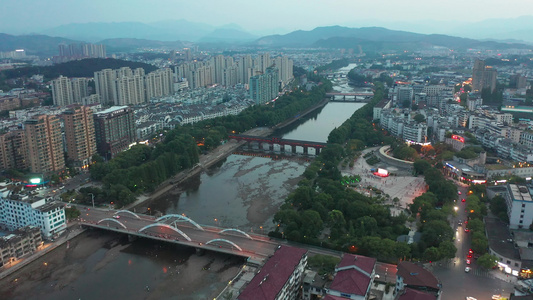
<point x="293" y="144"/>
<point x="350" y="97"/>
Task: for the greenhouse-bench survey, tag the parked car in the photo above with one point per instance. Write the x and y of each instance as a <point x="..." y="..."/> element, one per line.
<point x="467" y="269"/>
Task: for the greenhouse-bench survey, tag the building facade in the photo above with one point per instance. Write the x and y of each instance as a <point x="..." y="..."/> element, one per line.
<point x="519" y="206"/>
<point x="23" y="241"/>
<point x="114" y="130"/>
<point x="17" y="210"/>
<point x="80" y="136"/>
<point x="45" y="144"/>
<point x="13" y="150"/>
<point x="264" y="87"/>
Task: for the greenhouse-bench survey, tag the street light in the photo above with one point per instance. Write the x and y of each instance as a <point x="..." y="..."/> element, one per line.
<point x="149" y="211"/>
<point x="92" y="196"/>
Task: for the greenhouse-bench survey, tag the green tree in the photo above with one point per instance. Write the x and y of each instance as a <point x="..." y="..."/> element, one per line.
<point x="431" y="254"/>
<point x="419" y="118"/>
<point x="447" y="250"/>
<point x="487" y="261"/>
<point x="72" y="213"/>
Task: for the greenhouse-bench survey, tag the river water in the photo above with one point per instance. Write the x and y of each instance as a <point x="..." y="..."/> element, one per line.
<point x="243" y="191"/>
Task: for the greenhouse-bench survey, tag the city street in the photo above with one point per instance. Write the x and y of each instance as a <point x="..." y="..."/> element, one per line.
<point x="478" y="283"/>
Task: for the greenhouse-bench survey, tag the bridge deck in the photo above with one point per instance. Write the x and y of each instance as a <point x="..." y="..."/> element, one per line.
<point x="276" y="140"/>
<point x="259" y="247"/>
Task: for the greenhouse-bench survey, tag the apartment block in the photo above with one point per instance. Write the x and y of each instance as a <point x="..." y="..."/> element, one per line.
<point x="13" y="150"/>
<point x="45" y="144"/>
<point x="79" y="135"/>
<point x="114" y="130"/>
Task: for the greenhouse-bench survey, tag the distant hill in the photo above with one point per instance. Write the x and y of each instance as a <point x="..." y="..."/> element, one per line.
<point x="227" y="35"/>
<point x="125" y="44"/>
<point x="77" y="68"/>
<point x="40" y="45"/>
<point x="169" y="30"/>
<point x="374" y="38"/>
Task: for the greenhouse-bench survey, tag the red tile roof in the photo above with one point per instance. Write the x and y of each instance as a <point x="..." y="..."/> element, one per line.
<point x="415" y="275"/>
<point x="353" y="274"/>
<point x="410" y="294"/>
<point x="273" y="275"/>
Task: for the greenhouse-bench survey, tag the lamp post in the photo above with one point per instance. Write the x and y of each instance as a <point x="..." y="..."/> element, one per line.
<point x="92" y="197"/>
<point x="149" y="211"/>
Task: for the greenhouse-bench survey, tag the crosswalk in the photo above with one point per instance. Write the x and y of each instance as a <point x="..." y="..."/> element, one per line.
<point x="476" y="271"/>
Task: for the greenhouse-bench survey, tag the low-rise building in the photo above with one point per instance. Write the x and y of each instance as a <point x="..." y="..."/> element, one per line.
<point x="413" y="276"/>
<point x="353" y="277"/>
<point x="280" y="277"/>
<point x="21" y="242"/>
<point x="20" y="210"/>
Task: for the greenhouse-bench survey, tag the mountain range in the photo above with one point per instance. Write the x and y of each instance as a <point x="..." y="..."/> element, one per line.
<point x="121" y="37"/>
<point x="170" y="30"/>
<point x="375" y="39"/>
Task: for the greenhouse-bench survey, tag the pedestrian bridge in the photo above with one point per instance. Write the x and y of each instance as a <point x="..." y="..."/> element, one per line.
<point x="179" y="229"/>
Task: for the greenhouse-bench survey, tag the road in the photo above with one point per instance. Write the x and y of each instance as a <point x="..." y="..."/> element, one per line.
<point x="456" y="283"/>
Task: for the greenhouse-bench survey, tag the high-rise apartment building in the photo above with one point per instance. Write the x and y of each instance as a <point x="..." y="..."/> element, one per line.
<point x="80" y="136"/>
<point x="79" y="89"/>
<point x="264" y="87"/>
<point x="129" y="90"/>
<point x="13" y="150"/>
<point x="62" y="91"/>
<point x="483" y="76"/>
<point x="159" y="83"/>
<point x="114" y="129"/>
<point x="104" y="81"/>
<point x="45" y="144"/>
<point x="66" y="91"/>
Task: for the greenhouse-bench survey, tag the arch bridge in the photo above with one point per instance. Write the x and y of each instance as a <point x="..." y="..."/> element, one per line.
<point x="281" y="142"/>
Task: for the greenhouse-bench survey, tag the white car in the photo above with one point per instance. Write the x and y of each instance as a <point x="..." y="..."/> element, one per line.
<point x="467" y="269"/>
<point x="116" y="216"/>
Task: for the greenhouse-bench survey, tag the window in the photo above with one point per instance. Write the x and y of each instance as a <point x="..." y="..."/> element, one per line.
<point x="516" y="264"/>
<point x="523" y="205"/>
<point x="521" y="221"/>
<point x="508" y="262"/>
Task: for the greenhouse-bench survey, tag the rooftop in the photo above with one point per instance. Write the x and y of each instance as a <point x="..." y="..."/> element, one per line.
<point x="353" y="274"/>
<point x="267" y="283"/>
<point x="500" y="239"/>
<point x="410" y="294"/>
<point x="415" y="275"/>
<point x="519" y="192"/>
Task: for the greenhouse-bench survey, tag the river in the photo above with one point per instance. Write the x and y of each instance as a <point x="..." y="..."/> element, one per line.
<point x="241" y="192"/>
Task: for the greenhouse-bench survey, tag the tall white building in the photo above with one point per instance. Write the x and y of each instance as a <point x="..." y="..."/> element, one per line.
<point x="104" y="81"/>
<point x="519" y="206"/>
<point x="18" y="211"/>
<point x="62" y="91"/>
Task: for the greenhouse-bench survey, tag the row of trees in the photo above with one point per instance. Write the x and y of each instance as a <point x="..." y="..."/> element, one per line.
<point x="143" y="168"/>
<point x="324" y="211"/>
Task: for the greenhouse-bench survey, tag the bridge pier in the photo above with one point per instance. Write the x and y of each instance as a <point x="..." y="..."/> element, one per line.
<point x="200" y="251"/>
<point x="132" y="238"/>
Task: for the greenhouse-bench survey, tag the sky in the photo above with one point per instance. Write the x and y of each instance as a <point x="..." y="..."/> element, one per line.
<point x="25" y="16"/>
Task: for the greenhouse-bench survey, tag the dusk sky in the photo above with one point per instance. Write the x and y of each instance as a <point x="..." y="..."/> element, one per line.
<point x="23" y="16"/>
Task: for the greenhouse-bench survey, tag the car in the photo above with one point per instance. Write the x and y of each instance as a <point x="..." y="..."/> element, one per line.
<point x="469" y="256"/>
<point x="470" y="251"/>
<point x="468" y="261"/>
<point x="463" y="200"/>
<point x="460" y="223"/>
<point x="459" y="193"/>
<point x="467" y="269"/>
<point x="116" y="216"/>
<point x="467" y="230"/>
